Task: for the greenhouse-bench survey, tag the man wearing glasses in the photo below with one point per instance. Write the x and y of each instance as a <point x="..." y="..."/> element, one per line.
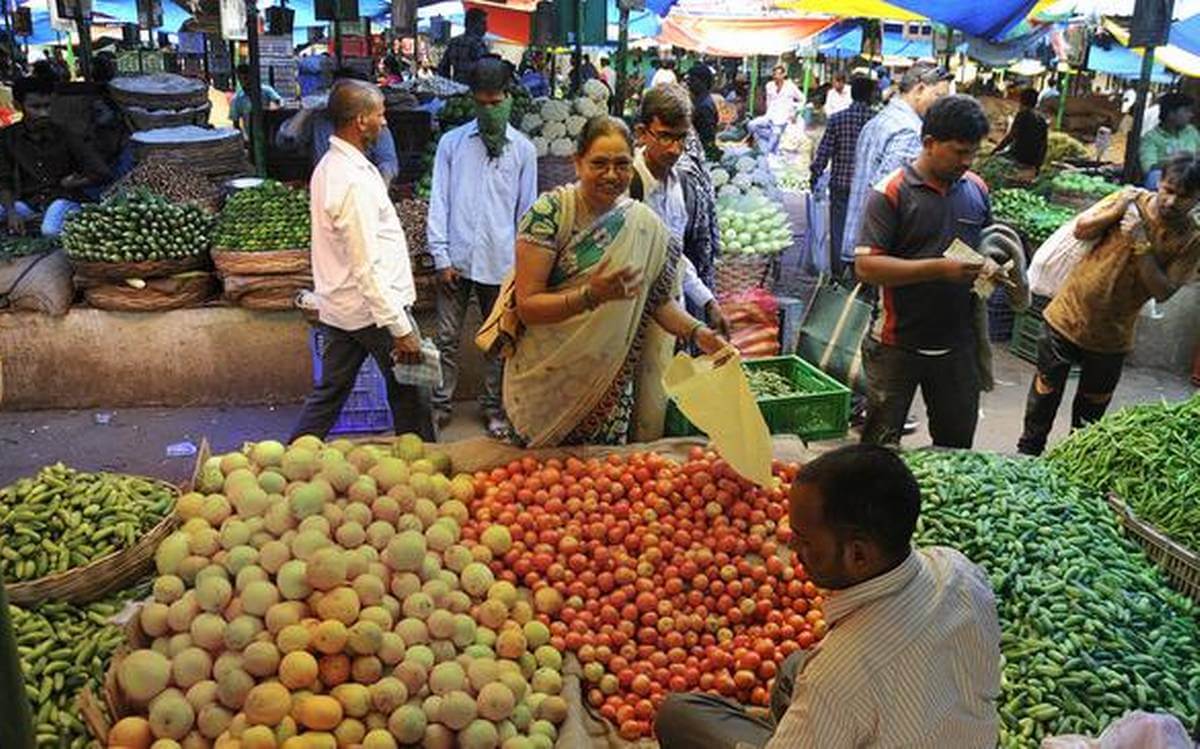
<point x="664" y="123"/>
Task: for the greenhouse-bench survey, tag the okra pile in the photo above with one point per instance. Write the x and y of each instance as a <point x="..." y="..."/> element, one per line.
<point x="64" y="648"/>
<point x="1090" y="630"/>
<point x="63" y="518"/>
<point x="1147" y="455"/>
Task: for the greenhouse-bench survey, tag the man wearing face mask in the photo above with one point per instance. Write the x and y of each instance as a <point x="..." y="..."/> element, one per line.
<point x="43" y="167"/>
<point x="484" y="179"/>
<point x="361" y="271"/>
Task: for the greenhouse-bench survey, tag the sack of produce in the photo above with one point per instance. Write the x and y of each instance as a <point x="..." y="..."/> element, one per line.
<point x="175" y="182"/>
<point x="38" y="282"/>
<point x="266" y="292"/>
<point x="137" y="226"/>
<point x="265" y="263"/>
<point x="155" y="294"/>
<point x="753" y="318"/>
<point x="271" y="216"/>
<point x="414" y="216"/>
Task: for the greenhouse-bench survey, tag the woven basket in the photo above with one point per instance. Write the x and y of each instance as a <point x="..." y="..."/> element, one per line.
<point x="1180" y="564"/>
<point x="553" y="171"/>
<point x="269" y="299"/>
<point x="740" y="273"/>
<point x="117" y="272"/>
<point x="101" y="577"/>
<point x="1078" y="201"/>
<point x="276" y="263"/>
<point x="158" y="296"/>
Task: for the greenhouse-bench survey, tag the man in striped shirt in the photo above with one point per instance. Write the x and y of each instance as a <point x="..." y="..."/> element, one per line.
<point x="912" y="657"/>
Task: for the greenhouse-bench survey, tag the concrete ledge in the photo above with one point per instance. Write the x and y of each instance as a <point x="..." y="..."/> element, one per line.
<point x="206" y="356"/>
<point x="1169" y="343"/>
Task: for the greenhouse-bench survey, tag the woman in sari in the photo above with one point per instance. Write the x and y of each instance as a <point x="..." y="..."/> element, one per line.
<point x="592" y="318"/>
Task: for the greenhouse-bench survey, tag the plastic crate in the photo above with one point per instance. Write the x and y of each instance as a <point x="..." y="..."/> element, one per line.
<point x="366" y="410"/>
<point x="1027" y="329"/>
<point x="820" y="411"/>
<point x="1180" y="564"/>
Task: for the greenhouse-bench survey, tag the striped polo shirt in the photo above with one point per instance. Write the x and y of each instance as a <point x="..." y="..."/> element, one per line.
<point x="915" y="219"/>
<point x="912" y="659"/>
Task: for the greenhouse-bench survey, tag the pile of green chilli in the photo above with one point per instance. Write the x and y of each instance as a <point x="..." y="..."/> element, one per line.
<point x="1089" y="629"/>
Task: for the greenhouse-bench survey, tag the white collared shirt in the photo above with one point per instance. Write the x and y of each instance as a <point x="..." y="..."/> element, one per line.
<point x="782" y="101"/>
<point x="361" y="271"/>
<point x="836" y="101"/>
<point x="912" y="658"/>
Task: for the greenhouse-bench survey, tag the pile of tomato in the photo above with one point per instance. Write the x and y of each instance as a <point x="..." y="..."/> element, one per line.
<point x="661" y="577"/>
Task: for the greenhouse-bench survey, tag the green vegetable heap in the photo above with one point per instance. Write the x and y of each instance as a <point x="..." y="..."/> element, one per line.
<point x="457" y="110"/>
<point x="64" y="518"/>
<point x="64" y="648"/>
<point x="765" y="383"/>
<point x="1082" y="184"/>
<point x="1060" y="146"/>
<point x="1089" y="629"/>
<point x="752" y="224"/>
<point x="1147" y="455"/>
<point x="12" y="247"/>
<point x="269" y="217"/>
<point x="135" y="226"/>
<point x="1029" y="214"/>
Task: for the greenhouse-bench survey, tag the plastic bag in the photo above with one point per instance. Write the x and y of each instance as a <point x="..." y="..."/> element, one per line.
<point x="1137" y="730"/>
<point x="816" y="234"/>
<point x="426" y="374"/>
<point x="717" y="399"/>
<point x="1056" y="258"/>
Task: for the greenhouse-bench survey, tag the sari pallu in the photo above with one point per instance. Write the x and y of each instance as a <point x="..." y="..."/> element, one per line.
<point x="595" y="377"/>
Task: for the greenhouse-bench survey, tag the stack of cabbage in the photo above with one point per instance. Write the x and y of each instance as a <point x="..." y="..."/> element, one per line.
<point x="554" y="123"/>
<point x="739" y="175"/>
<point x="752" y="224"/>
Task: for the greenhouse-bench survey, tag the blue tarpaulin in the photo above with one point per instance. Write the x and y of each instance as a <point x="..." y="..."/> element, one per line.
<point x="989" y="20"/>
<point x="1185" y="34"/>
<point x="846" y="41"/>
<point x="1123" y="63"/>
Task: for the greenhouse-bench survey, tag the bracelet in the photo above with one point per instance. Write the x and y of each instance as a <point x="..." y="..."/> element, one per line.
<point x="588" y="301"/>
<point x="692" y="333"/>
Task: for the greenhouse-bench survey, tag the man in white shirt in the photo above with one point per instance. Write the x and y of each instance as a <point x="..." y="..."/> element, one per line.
<point x="361" y="272"/>
<point x="782" y="100"/>
<point x="665" y="72"/>
<point x="484" y="179"/>
<point x="912" y="654"/>
<point x="838" y="96"/>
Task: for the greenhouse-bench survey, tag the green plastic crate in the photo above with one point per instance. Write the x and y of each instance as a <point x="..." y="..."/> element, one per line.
<point x="820" y="411"/>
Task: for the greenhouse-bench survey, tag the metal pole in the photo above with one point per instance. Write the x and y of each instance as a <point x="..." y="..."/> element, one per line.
<point x="577" y="54"/>
<point x="753" y="96"/>
<point x="257" y="141"/>
<point x="1134" y="139"/>
<point x="618" y="99"/>
<point x="337" y="42"/>
<point x="17" y="729"/>
<point x="1064" y="82"/>
<point x="84" y="27"/>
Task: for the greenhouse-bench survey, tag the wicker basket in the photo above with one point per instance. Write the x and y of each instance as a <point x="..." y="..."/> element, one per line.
<point x="159" y="294"/>
<point x="1078" y="201"/>
<point x="554" y="171"/>
<point x="100" y="577"/>
<point x="276" y="263"/>
<point x="1180" y="564"/>
<point x="740" y="273"/>
<point x="118" y="272"/>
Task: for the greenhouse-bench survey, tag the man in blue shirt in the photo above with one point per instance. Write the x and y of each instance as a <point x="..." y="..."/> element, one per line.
<point x="312" y="127"/>
<point x="239" y="108"/>
<point x="484" y="179"/>
<point x="837" y="152"/>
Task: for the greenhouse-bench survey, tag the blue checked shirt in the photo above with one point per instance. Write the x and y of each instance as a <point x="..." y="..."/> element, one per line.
<point x="888" y="141"/>
<point x="838" y="144"/>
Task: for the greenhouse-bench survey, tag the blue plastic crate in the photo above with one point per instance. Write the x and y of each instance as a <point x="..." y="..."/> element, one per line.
<point x="366" y="410"/>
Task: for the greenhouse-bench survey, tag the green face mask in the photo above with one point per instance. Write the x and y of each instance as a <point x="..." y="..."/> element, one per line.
<point x="493" y="125"/>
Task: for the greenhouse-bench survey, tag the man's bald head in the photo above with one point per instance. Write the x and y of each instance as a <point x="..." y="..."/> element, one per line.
<point x="350" y="99"/>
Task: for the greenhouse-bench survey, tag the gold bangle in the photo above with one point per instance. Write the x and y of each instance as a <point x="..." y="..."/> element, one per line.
<point x="588" y="301"/>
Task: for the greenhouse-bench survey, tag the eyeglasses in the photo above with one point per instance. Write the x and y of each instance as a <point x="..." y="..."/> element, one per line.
<point x="668" y="139"/>
<point x="620" y="166"/>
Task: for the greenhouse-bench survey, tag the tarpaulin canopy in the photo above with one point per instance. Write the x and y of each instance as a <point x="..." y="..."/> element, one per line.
<point x="1176" y="57"/>
<point x="736" y="37"/>
<point x="847" y="40"/>
<point x="511" y="20"/>
<point x="987" y="20"/>
<point x="1122" y="62"/>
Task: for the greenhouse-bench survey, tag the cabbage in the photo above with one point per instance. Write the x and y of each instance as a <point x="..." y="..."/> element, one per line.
<point x="552" y="131"/>
<point x="595" y="90"/>
<point x="730" y="190"/>
<point x="743" y="180"/>
<point x="554" y="110"/>
<point x="531" y="123"/>
<point x="587" y="108"/>
<point x="752" y="224"/>
<point x="575" y="123"/>
<point x="541" y="145"/>
<point x="562" y="147"/>
<point x="719" y="177"/>
<point x="746" y="165"/>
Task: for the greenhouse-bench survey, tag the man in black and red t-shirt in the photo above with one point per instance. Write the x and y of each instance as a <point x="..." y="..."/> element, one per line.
<point x="922" y="331"/>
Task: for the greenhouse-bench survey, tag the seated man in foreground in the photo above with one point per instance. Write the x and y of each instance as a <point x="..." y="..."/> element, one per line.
<point x="912" y="657"/>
